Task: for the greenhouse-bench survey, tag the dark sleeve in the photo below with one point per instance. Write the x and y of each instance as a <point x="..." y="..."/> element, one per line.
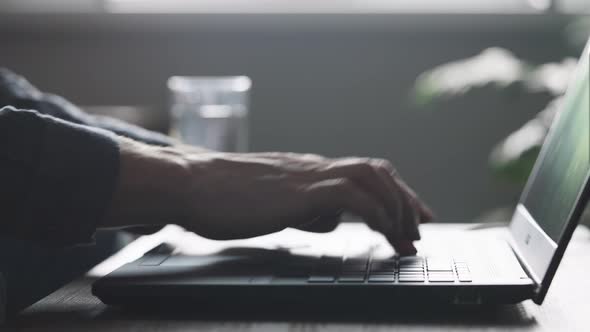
<point x="56" y="177"/>
<point x="16" y="91"/>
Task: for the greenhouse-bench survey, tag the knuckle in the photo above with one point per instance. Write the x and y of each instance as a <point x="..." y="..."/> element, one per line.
<point x="384" y="165"/>
<point x="364" y="168"/>
<point x="342" y="184"/>
<point x="332" y="188"/>
<point x="303" y="189"/>
<point x="409" y="191"/>
<point x="312" y="157"/>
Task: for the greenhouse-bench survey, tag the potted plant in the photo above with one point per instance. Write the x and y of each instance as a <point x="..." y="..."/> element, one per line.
<point x="512" y="159"/>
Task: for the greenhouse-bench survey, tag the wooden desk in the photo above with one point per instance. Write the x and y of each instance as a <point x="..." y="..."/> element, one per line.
<point x="566" y="308"/>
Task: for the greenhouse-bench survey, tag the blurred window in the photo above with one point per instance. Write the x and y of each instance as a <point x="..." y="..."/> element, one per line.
<point x="573" y="6"/>
<point x="59" y="6"/>
<point x="329" y="6"/>
<point x="297" y="6"/>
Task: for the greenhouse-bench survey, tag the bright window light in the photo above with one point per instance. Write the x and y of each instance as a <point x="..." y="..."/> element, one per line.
<point x="574" y="6"/>
<point x="298" y="6"/>
<point x="327" y="6"/>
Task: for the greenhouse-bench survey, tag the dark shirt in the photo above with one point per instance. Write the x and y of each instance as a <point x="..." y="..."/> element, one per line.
<point x="58" y="165"/>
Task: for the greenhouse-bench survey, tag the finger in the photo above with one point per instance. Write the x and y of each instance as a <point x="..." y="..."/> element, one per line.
<point x="341" y="194"/>
<point x="366" y="176"/>
<point x="404" y="247"/>
<point x="426" y="214"/>
<point x="374" y="175"/>
<point x="294" y="158"/>
<point x="409" y="214"/>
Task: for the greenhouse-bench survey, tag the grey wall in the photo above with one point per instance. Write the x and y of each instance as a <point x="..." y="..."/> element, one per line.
<point x="336" y="85"/>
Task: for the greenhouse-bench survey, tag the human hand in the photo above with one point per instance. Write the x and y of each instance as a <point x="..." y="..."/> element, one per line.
<point x="233" y="195"/>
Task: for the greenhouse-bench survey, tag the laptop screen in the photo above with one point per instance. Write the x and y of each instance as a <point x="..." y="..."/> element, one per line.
<point x="561" y="171"/>
<point x="551" y="199"/>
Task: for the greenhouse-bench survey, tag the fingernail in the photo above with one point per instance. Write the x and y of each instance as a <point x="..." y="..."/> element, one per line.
<point x="416" y="234"/>
<point x="427" y="212"/>
<point x="428" y="209"/>
<point x="405" y="248"/>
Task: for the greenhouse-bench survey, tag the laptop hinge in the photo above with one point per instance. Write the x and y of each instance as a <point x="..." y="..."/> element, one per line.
<point x="521" y="260"/>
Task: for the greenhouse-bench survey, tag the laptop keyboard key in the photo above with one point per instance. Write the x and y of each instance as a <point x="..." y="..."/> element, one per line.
<point x="383" y="265"/>
<point x="321" y="279"/>
<point x="412" y="279"/>
<point x="411" y="272"/>
<point x="439" y="265"/>
<point x="356" y="261"/>
<point x="441" y="278"/>
<point x="382" y="278"/>
<point x="411" y="259"/>
<point x="351" y="278"/>
<point x="465" y="279"/>
<point x="411" y="269"/>
<point x="402" y="269"/>
<point x="354" y="266"/>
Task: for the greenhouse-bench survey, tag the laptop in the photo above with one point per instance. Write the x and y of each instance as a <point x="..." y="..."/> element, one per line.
<point x="353" y="265"/>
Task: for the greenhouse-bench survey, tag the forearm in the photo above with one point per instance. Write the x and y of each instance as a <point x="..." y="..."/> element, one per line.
<point x="151" y="188"/>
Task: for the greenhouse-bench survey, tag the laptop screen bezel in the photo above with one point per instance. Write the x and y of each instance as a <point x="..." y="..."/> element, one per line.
<point x="539" y="253"/>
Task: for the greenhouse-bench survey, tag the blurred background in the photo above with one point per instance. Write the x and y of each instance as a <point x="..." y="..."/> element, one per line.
<point x="334" y="77"/>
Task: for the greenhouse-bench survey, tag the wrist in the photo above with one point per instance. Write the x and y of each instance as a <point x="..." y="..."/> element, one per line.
<point x="152" y="186"/>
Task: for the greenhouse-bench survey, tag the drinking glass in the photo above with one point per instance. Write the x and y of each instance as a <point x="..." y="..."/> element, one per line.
<point x="211" y="112"/>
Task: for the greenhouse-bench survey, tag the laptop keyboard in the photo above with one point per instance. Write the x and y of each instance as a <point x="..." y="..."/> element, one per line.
<point x="395" y="270"/>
